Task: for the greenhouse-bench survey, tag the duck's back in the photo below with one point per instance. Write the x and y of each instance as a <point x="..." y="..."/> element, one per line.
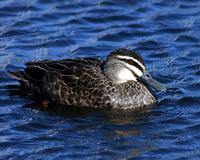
<point x="70" y="81"/>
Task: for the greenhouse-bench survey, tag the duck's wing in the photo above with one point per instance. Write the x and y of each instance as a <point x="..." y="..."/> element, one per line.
<point x="32" y="76"/>
<point x="77" y="85"/>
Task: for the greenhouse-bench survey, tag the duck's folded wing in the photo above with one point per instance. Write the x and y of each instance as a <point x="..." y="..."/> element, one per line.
<point x="70" y="70"/>
<point x="73" y="84"/>
<point x="36" y="70"/>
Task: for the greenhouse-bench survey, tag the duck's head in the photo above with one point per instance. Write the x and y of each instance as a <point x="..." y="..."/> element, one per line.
<point x="124" y="65"/>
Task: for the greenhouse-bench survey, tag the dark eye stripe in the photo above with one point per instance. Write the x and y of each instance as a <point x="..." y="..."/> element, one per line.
<point x="133" y="63"/>
<point x="139" y="58"/>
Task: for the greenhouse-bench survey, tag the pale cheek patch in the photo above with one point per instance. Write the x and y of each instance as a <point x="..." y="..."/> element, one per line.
<point x="126" y="75"/>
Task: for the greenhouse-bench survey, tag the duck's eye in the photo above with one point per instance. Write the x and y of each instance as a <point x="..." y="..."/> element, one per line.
<point x="130" y="61"/>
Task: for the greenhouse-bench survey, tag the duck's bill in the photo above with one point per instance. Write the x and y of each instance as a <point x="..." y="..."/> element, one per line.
<point x="147" y="78"/>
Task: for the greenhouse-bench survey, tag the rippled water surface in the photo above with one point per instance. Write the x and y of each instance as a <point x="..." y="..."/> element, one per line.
<point x="165" y="32"/>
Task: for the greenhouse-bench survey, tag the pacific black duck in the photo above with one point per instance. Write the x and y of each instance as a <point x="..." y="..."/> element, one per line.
<point x="119" y="82"/>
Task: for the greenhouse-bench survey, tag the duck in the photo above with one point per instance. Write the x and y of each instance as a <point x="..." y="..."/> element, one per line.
<point x="120" y="81"/>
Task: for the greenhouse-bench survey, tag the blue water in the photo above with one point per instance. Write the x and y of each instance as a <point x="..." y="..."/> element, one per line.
<point x="167" y="35"/>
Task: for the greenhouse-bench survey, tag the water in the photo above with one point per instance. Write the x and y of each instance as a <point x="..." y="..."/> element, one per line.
<point x="165" y="33"/>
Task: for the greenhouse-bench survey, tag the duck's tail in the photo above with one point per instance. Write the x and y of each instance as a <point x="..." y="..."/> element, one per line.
<point x="17" y="75"/>
<point x="26" y="84"/>
<point x="21" y="77"/>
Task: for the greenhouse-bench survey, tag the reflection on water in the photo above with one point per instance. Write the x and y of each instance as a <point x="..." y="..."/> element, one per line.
<point x="165" y="33"/>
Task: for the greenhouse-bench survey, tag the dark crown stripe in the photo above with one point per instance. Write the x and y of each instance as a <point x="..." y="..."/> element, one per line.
<point x="127" y="52"/>
<point x="138" y="58"/>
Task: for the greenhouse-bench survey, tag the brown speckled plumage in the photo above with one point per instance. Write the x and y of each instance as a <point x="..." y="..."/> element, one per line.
<point x="81" y="82"/>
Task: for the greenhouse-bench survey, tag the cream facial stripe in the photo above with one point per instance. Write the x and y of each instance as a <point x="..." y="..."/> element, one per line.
<point x="135" y="60"/>
<point x="135" y="70"/>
